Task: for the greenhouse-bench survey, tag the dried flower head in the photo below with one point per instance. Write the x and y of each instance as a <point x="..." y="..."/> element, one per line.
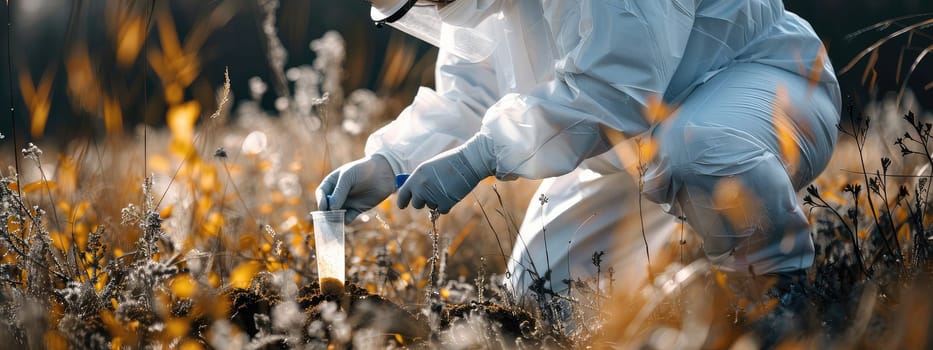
<point x="220" y="153"/>
<point x="32" y="152"/>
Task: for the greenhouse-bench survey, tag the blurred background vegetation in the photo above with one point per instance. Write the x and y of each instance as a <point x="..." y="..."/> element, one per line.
<point x="84" y="60"/>
<point x="103" y="68"/>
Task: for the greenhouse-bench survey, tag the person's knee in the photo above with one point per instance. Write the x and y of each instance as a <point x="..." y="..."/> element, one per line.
<point x="689" y="149"/>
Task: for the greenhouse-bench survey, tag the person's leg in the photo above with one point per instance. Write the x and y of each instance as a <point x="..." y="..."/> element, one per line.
<point x="731" y="161"/>
<point x="587" y="213"/>
<point x="732" y="158"/>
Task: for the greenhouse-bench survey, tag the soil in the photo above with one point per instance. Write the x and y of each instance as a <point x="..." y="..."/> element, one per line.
<point x="246" y="305"/>
<point x="331" y="286"/>
<point x="514" y="322"/>
<point x="364" y="310"/>
<point x="369" y="311"/>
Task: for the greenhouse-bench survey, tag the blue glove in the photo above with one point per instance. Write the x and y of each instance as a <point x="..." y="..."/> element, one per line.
<point x="356" y="186"/>
<point x="444" y="180"/>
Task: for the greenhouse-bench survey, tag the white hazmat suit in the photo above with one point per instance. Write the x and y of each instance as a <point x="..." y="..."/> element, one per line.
<point x="755" y="106"/>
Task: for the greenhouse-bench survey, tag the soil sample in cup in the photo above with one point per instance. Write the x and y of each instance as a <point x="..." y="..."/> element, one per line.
<point x="329" y="245"/>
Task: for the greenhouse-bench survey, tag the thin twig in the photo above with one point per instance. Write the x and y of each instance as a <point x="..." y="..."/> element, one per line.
<point x="871" y="48"/>
<point x="642" y="169"/>
<point x="814" y="195"/>
<point x="493" y="229"/>
<point x="9" y="55"/>
<point x="547" y="252"/>
<point x="146" y="91"/>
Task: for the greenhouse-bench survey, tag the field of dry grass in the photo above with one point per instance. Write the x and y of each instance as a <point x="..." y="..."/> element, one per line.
<point x="197" y="234"/>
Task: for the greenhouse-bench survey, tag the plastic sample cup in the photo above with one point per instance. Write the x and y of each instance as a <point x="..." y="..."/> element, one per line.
<point x="329" y="245"/>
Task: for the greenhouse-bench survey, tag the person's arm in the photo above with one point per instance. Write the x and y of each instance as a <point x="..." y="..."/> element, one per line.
<point x="440" y="119"/>
<point x="619" y="54"/>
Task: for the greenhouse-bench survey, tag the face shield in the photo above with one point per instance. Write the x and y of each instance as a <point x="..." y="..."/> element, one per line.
<point x="422" y="20"/>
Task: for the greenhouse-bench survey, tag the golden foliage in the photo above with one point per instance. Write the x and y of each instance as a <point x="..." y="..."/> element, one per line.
<point x="242" y="275"/>
<point x="113" y="116"/>
<point x="67" y="175"/>
<point x="656" y="111"/>
<point x="131" y="36"/>
<point x="83" y="86"/>
<point x="40" y="185"/>
<point x="816" y="71"/>
<point x="184" y="286"/>
<point x="736" y="203"/>
<point x="190" y="344"/>
<point x="176" y="328"/>
<point x="215" y="222"/>
<point x="786" y="132"/>
<point x="181" y="120"/>
<point x="176" y="67"/>
<point x="38" y="99"/>
<point x="166" y="212"/>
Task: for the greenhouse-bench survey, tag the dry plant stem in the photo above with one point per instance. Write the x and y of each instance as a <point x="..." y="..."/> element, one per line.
<point x="240" y="197"/>
<point x="48" y="191"/>
<point x="598" y="261"/>
<point x="882" y="41"/>
<point x="322" y="107"/>
<point x="505" y="213"/>
<point x="924" y="141"/>
<point x="481" y="281"/>
<point x="900" y="58"/>
<point x="494" y="231"/>
<point x="569" y="250"/>
<point x="682" y="242"/>
<point x="19" y="244"/>
<point x="871" y="203"/>
<point x="913" y="67"/>
<point x="276" y="52"/>
<point x="887" y="206"/>
<point x="209" y="126"/>
<point x="9" y="57"/>
<point x="175" y="175"/>
<point x="510" y="220"/>
<point x="919" y="232"/>
<point x="860" y="135"/>
<point x="814" y="195"/>
<point x="433" y="279"/>
<point x="518" y="237"/>
<point x="218" y="245"/>
<point x="642" y="169"/>
<point x="547" y="255"/>
<point x="887" y="23"/>
<point x="872" y="49"/>
<point x="854" y="234"/>
<point x="146" y="90"/>
<point x="52" y="208"/>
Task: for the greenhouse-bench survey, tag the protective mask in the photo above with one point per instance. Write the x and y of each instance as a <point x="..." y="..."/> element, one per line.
<point x="424" y="22"/>
<point x="468" y="13"/>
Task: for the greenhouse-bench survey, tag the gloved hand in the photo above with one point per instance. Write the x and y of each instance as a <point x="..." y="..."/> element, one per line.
<point x="444" y="180"/>
<point x="357" y="186"/>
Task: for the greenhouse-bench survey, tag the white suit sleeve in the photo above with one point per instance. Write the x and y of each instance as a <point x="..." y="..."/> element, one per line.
<point x="440" y="119"/>
<point x="613" y="56"/>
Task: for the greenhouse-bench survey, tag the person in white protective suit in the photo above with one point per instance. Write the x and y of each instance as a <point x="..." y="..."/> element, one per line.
<point x="540" y="89"/>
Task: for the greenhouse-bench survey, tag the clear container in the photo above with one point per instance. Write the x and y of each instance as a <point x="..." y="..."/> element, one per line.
<point x="329" y="245"/>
